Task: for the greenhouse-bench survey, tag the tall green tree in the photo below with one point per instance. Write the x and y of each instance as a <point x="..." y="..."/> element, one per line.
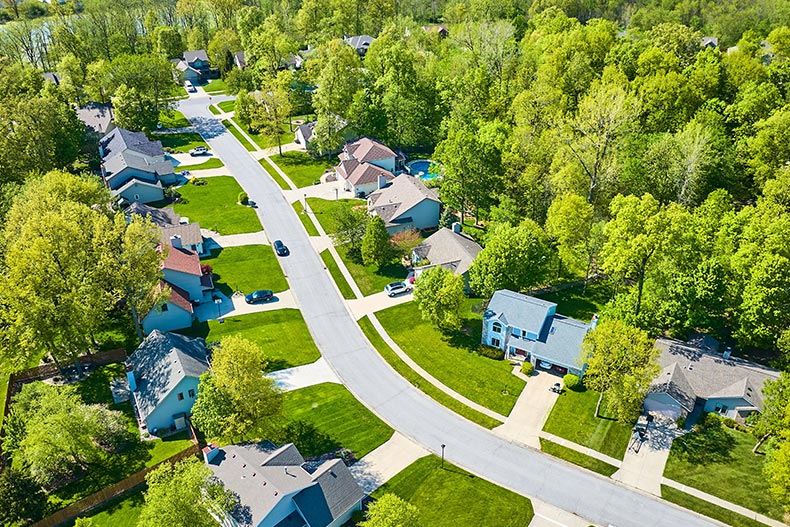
<point x="391" y="511"/>
<point x="21" y="499"/>
<point x="439" y="295"/>
<point x="570" y="223"/>
<point x="376" y="246"/>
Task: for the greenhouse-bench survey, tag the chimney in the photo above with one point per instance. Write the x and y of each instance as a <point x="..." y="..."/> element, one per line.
<point x="456" y="227"/>
<point x="210" y="451"/>
<point x="130" y="377"/>
<point x="727" y="353"/>
<point x="175" y="241"/>
<point x="594" y="321"/>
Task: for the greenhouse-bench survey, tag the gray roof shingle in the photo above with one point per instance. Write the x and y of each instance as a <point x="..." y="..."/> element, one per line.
<point x="392" y="202"/>
<point x="161" y="217"/>
<point x="96" y="116"/>
<point x="120" y="139"/>
<point x="455" y="251"/>
<point x="198" y="54"/>
<point x="190" y="233"/>
<point x="518" y="310"/>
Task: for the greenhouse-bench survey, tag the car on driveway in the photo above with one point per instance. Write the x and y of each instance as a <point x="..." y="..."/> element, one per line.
<point x="397" y="288"/>
<point x="189" y="87"/>
<point x="259" y="296"/>
<point x="280" y="248"/>
<point x="198" y="151"/>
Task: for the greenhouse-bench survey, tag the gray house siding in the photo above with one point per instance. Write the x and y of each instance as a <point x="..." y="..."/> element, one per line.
<point x="188" y="282"/>
<point x="171" y="319"/>
<point x="424" y="215"/>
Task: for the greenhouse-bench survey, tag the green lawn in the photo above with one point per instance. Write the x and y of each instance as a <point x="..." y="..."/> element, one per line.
<point x="227" y="106"/>
<point x="275" y="175"/>
<point x="305" y="219"/>
<point x="340" y="419"/>
<point x="243" y="140"/>
<point x="576" y="303"/>
<point x="452" y="497"/>
<point x="246" y="269"/>
<point x="264" y="141"/>
<point x="173" y="119"/>
<point x="324" y="210"/>
<point x="334" y="270"/>
<point x="418" y="382"/>
<point x="573" y="418"/>
<point x="282" y="334"/>
<point x="213" y="162"/>
<point x="301" y="168"/>
<point x="719" y="461"/>
<point x="707" y="508"/>
<point x="452" y="358"/>
<point x="213" y="109"/>
<point x="577" y="458"/>
<point x="215" y="206"/>
<point x="119" y="512"/>
<point x="371" y="278"/>
<point x="216" y="86"/>
<point x="181" y="141"/>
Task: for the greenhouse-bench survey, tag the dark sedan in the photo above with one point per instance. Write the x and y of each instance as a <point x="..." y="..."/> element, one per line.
<point x="280" y="248"/>
<point x="257" y="297"/>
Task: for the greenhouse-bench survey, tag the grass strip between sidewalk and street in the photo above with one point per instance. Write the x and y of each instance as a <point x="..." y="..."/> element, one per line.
<point x="334" y="270"/>
<point x="417" y="381"/>
<point x="213" y="109"/>
<point x="305" y="219"/>
<point x="706" y="508"/>
<point x="214" y="162"/>
<point x="274" y="174"/>
<point x="577" y="458"/>
<point x="232" y="129"/>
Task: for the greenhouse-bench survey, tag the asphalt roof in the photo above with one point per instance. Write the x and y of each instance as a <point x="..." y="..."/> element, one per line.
<point x="162" y="361"/>
<point x="359" y="41"/>
<point x="367" y="149"/>
<point x="120" y="139"/>
<point x="519" y="310"/>
<point x="182" y="260"/>
<point x="307" y="130"/>
<point x="392" y="202"/>
<point x="190" y="233"/>
<point x="115" y="164"/>
<point x="198" y="54"/>
<point x="96" y="116"/>
<point x="161" y="217"/>
<point x="449" y="249"/>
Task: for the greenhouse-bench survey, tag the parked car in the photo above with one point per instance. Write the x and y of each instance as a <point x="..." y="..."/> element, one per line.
<point x="259" y="296"/>
<point x="189" y="87"/>
<point x="198" y="151"/>
<point x="397" y="288"/>
<point x="544" y="364"/>
<point x="280" y="248"/>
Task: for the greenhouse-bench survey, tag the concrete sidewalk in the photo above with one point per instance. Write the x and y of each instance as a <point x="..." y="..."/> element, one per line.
<point x="531" y="410"/>
<point x="550" y="516"/>
<point x="303" y="376"/>
<point x="328" y="191"/>
<point x="382" y="464"/>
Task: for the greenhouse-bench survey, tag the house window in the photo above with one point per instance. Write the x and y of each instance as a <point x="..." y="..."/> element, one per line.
<point x="180" y="396"/>
<point x="496" y="327"/>
<point x="163" y="309"/>
<point x="192" y="393"/>
<point x="495" y="342"/>
<point x="137" y="197"/>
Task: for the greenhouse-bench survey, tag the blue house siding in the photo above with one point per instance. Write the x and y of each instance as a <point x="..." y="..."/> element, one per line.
<point x="726" y="405"/>
<point x="142" y="193"/>
<point x="162" y="417"/>
<point x="170" y="319"/>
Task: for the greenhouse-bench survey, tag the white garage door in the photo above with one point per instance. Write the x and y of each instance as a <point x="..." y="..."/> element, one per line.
<point x="670" y="411"/>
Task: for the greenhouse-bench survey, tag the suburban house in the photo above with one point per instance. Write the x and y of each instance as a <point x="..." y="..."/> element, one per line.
<point x="275" y="487"/>
<point x="448" y="248"/>
<point x="51" y="76"/>
<point x="366" y="165"/>
<point x="696" y="375"/>
<point x="188" y="286"/>
<point x="709" y="42"/>
<point x="405" y="204"/>
<point x="185" y="235"/>
<point x="163" y="374"/>
<point x="164" y="217"/>
<point x="360" y="43"/>
<point x="304" y="133"/>
<point x="441" y="29"/>
<point x="528" y="328"/>
<point x="240" y="60"/>
<point x="97" y="118"/>
<point x="193" y="66"/>
<point x="133" y="167"/>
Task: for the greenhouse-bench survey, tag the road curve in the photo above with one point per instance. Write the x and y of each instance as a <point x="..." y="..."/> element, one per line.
<point x="372" y="381"/>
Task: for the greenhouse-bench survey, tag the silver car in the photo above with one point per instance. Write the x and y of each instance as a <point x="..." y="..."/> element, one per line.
<point x="396" y="288"/>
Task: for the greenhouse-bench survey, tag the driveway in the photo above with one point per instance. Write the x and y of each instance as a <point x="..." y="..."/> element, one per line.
<point x="397" y="402"/>
<point x="382" y="464"/>
<point x="644" y="461"/>
<point x="231" y="307"/>
<point x="303" y="376"/>
<point x="330" y="191"/>
<point x="376" y="302"/>
<point x="531" y="410"/>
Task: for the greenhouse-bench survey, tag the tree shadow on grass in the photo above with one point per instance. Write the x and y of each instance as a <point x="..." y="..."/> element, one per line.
<point x="709" y="444"/>
<point x="308" y="439"/>
<point x="468" y="337"/>
<point x="95" y="388"/>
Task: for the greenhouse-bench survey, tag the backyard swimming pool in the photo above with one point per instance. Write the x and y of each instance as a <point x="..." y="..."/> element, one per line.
<point x="420" y="168"/>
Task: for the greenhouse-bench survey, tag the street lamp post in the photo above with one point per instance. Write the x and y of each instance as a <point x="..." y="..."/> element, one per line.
<point x="218" y="301"/>
<point x="443" y="445"/>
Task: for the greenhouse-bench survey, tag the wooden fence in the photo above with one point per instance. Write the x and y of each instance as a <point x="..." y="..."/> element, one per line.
<point x="109" y="493"/>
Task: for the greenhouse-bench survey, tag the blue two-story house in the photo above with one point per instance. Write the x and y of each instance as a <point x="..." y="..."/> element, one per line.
<point x="163" y="374"/>
<point x="528" y="328"/>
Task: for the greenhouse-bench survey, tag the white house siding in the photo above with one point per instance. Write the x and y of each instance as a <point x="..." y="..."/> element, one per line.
<point x="386" y="164"/>
<point x="173" y="319"/>
<point x="188" y="282"/>
<point x="365" y="188"/>
<point x="663" y="404"/>
<point x="730" y="402"/>
<point x="162" y="417"/>
<point x="142" y="193"/>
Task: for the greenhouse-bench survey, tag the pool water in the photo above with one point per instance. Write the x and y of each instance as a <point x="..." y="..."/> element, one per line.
<point x="420" y="168"/>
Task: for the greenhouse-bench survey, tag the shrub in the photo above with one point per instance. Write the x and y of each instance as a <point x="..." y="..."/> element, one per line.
<point x="710" y="420"/>
<point x="527" y="368"/>
<point x="572" y="382"/>
<point x="735" y="425"/>
<point x="681" y="422"/>
<point x="244" y="199"/>
<point x="492" y="353"/>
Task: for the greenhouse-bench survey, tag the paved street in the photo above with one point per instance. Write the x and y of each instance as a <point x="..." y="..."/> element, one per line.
<point x="402" y="406"/>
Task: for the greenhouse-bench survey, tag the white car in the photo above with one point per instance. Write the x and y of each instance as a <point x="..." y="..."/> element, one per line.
<point x="198" y="151"/>
<point x="396" y="288"/>
<point x="189" y="87"/>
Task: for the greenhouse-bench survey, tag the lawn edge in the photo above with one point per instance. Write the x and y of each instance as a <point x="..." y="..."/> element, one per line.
<point x="576" y="458"/>
<point x="698" y="505"/>
<point x="334" y="270"/>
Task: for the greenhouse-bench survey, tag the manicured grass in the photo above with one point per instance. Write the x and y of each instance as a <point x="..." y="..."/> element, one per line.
<point x="371" y="278"/>
<point x="215" y="206"/>
<point x="264" y="141"/>
<point x="334" y="270"/>
<point x="333" y="411"/>
<point x="418" y="382"/>
<point x="274" y="174"/>
<point x="216" y="86"/>
<point x="181" y="141"/>
<point x="719" y="461"/>
<point x="577" y="303"/>
<point x="246" y="268"/>
<point x="118" y="512"/>
<point x="227" y="106"/>
<point x="452" y="357"/>
<point x="213" y="162"/>
<point x="573" y="418"/>
<point x="282" y="334"/>
<point x="325" y="210"/>
<point x="305" y="219"/>
<point x="301" y="168"/>
<point x="577" y="458"/>
<point x="232" y="129"/>
<point x="213" y="109"/>
<point x="452" y="497"/>
<point x="708" y="509"/>
<point x="173" y="119"/>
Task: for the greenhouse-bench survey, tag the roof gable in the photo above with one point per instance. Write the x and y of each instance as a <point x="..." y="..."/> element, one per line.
<point x="392" y="202"/>
<point x="522" y="311"/>
<point x="445" y="247"/>
<point x="367" y="149"/>
<point x="182" y="260"/>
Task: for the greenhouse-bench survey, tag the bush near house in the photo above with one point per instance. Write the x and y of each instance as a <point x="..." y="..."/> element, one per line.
<point x="527" y="368"/>
<point x="572" y="382"/>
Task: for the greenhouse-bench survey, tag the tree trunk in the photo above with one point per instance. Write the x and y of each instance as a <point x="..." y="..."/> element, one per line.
<point x="136" y="320"/>
<point x="598" y="405"/>
<point x="640" y="285"/>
